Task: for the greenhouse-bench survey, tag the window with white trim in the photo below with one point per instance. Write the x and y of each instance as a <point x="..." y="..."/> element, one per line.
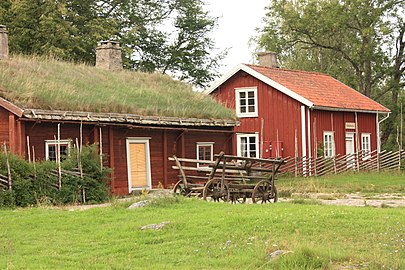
<point x="248" y="145"/>
<point x="328" y="144"/>
<point x="365" y="145"/>
<point x="51" y="148"/>
<point x="246" y="102"/>
<point x="205" y="151"/>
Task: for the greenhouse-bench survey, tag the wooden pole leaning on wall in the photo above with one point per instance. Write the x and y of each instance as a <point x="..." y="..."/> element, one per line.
<point x="29" y="149"/>
<point x="33" y="162"/>
<point x="58" y="159"/>
<point x="296" y="154"/>
<point x="79" y="166"/>
<point x="315" y="147"/>
<point x="10" y="184"/>
<point x="101" y="149"/>
<point x="261" y="138"/>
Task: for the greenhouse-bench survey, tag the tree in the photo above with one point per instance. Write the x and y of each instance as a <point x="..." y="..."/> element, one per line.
<point x="167" y="36"/>
<point x="360" y="42"/>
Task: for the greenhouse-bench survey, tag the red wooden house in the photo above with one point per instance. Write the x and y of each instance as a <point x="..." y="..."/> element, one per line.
<point x="297" y="113"/>
<point x="135" y="146"/>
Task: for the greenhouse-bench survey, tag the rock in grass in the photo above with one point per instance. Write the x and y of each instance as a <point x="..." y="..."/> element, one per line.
<point x="278" y="253"/>
<point x="155" y="226"/>
<point x="139" y="204"/>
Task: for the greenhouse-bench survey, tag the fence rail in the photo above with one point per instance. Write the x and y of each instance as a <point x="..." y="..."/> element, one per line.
<point x="360" y="161"/>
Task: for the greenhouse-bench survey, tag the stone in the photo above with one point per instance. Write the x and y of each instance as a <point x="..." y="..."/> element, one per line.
<point x="155" y="226"/>
<point x="139" y="204"/>
<point x="278" y="253"/>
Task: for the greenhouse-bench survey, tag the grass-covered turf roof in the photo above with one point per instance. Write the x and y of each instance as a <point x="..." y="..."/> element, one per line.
<point x="39" y="83"/>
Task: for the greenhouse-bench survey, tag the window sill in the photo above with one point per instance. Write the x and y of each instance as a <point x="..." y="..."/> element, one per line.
<point x="247" y="115"/>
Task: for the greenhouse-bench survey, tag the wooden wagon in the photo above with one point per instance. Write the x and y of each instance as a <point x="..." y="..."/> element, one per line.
<point x="228" y="178"/>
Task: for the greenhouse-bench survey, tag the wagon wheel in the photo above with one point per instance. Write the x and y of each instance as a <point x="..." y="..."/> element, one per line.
<point x="212" y="191"/>
<point x="180" y="189"/>
<point x="262" y="192"/>
<point x="238" y="197"/>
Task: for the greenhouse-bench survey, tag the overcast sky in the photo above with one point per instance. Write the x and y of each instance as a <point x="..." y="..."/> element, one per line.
<point x="236" y="25"/>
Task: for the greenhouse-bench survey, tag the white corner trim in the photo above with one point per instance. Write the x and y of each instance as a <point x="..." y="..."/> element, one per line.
<point x="303" y="132"/>
<point x="262" y="78"/>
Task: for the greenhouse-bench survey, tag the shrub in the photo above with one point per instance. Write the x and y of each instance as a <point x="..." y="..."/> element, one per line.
<point x="38" y="184"/>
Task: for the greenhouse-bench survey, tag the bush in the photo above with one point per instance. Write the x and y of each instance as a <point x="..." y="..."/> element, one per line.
<point x="38" y="184"/>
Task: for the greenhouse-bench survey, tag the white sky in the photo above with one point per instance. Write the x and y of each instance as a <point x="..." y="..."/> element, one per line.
<point x="237" y="22"/>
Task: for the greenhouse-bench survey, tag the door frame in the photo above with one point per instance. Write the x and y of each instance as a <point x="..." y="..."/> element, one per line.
<point x="350" y="163"/>
<point x="145" y="141"/>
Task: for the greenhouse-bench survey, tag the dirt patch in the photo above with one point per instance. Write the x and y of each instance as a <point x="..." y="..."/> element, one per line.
<point x="357" y="199"/>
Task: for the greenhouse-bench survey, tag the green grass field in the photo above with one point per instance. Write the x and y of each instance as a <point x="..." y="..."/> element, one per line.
<point x="203" y="235"/>
<point x="364" y="183"/>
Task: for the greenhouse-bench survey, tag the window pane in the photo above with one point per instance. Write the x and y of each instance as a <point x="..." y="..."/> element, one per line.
<point x="251" y="108"/>
<point x="251" y="101"/>
<point x="52" y="152"/>
<point x="200" y="152"/>
<point x="243" y="102"/>
<point x="242" y="94"/>
<point x="251" y="94"/>
<point x="243" y="146"/>
<point x="253" y="154"/>
<point x="208" y="153"/>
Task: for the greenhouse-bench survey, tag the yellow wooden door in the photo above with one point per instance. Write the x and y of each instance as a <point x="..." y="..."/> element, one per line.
<point x="137" y="154"/>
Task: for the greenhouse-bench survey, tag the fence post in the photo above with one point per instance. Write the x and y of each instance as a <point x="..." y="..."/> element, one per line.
<point x="10" y="185"/>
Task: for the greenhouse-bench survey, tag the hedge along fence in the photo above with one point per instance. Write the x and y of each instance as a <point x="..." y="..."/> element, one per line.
<point x="80" y="178"/>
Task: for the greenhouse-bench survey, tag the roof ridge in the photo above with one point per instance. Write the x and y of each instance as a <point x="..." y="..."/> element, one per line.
<point x="286" y="69"/>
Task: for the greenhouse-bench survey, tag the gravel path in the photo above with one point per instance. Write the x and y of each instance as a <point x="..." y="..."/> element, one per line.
<point x="378" y="200"/>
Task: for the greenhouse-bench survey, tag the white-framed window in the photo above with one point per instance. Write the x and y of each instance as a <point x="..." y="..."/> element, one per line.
<point x="246" y="102"/>
<point x="365" y="145"/>
<point x="205" y="151"/>
<point x="51" y="147"/>
<point x="328" y="144"/>
<point x="248" y="145"/>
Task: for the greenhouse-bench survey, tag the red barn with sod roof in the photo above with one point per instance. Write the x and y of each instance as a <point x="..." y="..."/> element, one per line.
<point x="292" y="113"/>
<point x="137" y="120"/>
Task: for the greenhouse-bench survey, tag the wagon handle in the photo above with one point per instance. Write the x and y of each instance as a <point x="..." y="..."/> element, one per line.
<point x="215" y="166"/>
<point x="183" y="175"/>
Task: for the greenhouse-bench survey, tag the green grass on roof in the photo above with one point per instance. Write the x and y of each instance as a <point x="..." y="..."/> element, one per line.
<point x="39" y="83"/>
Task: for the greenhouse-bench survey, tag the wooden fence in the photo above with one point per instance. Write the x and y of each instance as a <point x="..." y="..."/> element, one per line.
<point x="306" y="166"/>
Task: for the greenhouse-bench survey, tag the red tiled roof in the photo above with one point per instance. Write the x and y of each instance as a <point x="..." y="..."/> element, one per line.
<point x="320" y="89"/>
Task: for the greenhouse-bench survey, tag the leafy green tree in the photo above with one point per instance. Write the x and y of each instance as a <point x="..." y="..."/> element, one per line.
<point x="167" y="36"/>
<point x="360" y="42"/>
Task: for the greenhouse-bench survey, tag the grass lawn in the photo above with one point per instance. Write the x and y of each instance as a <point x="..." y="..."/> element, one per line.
<point x="365" y="183"/>
<point x="203" y="235"/>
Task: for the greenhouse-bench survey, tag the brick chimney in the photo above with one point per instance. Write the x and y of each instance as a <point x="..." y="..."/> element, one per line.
<point x="108" y="55"/>
<point x="268" y="59"/>
<point x="3" y="42"/>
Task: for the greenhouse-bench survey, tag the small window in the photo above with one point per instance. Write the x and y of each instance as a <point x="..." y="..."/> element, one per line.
<point x="328" y="144"/>
<point x="51" y="147"/>
<point x="248" y="145"/>
<point x="205" y="151"/>
<point x="365" y="145"/>
<point x="246" y="102"/>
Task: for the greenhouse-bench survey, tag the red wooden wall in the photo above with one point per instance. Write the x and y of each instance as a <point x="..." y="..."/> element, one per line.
<point x="281" y="114"/>
<point x="282" y="119"/>
<point x="163" y="143"/>
<point x="335" y="121"/>
<point x="11" y="131"/>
